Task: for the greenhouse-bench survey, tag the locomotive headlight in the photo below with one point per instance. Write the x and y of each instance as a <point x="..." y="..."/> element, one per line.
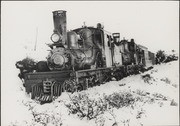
<point x="55" y="37"/>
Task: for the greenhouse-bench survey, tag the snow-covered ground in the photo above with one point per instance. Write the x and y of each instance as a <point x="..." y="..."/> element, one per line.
<point x="158" y="102"/>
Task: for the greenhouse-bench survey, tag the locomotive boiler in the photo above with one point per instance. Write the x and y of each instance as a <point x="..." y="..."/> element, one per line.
<point x="82" y="58"/>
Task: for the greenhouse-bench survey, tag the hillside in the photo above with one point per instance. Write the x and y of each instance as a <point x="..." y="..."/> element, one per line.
<point x="150" y="98"/>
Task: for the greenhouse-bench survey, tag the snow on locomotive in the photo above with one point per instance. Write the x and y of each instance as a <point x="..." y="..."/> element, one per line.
<point x="83" y="58"/>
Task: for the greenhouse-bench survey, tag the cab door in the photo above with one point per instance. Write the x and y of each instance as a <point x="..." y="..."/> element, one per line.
<point x="108" y="49"/>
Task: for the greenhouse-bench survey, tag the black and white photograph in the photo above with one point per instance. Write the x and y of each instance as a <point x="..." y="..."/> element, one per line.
<point x="90" y="63"/>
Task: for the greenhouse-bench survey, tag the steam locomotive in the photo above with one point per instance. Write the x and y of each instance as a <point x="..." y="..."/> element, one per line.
<point x="82" y="58"/>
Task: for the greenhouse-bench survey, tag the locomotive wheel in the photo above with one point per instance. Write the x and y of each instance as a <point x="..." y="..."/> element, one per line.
<point x="136" y="70"/>
<point x="121" y="75"/>
<point x="79" y="87"/>
<point x="69" y="86"/>
<point x="97" y="83"/>
<point x="118" y="75"/>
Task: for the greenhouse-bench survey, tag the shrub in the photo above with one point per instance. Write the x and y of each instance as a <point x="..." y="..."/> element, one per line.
<point x="171" y="58"/>
<point x="173" y="103"/>
<point x="140" y="113"/>
<point x="26" y="65"/>
<point x="160" y="57"/>
<point x="141" y="92"/>
<point x="40" y="118"/>
<point x="119" y="100"/>
<point x="147" y="78"/>
<point x="83" y="106"/>
<point x="166" y="80"/>
<point x="175" y="85"/>
<point x="158" y="96"/>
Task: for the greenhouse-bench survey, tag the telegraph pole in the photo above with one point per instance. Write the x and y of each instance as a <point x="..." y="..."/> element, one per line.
<point x="36" y="39"/>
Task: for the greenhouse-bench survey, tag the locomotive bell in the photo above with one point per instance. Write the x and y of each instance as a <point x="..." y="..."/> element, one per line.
<point x="59" y="19"/>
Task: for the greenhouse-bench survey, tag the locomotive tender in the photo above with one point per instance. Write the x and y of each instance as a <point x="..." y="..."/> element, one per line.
<point x="83" y="58"/>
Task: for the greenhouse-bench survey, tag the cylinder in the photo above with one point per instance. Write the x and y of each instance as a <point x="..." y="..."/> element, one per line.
<point x="59" y="19"/>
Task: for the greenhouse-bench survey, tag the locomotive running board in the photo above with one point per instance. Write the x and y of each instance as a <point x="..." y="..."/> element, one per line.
<point x="99" y="69"/>
<point x="103" y="73"/>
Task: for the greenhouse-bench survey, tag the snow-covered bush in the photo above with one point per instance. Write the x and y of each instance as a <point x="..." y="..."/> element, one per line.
<point x="139" y="113"/>
<point x="163" y="57"/>
<point x="173" y="103"/>
<point x="160" y="56"/>
<point x="166" y="80"/>
<point x="147" y="78"/>
<point x="83" y="106"/>
<point x="159" y="96"/>
<point x="171" y="57"/>
<point x="26" y="65"/>
<point x="175" y="85"/>
<point x="119" y="100"/>
<point x="141" y="92"/>
<point x="90" y="108"/>
<point x="40" y="118"/>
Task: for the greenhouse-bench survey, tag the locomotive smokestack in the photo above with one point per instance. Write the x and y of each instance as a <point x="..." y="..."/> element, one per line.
<point x="59" y="18"/>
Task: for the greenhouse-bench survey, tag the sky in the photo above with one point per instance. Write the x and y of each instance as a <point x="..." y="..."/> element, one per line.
<point x="154" y="24"/>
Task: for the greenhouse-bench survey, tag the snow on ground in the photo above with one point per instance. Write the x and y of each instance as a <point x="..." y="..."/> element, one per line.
<point x="162" y="88"/>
